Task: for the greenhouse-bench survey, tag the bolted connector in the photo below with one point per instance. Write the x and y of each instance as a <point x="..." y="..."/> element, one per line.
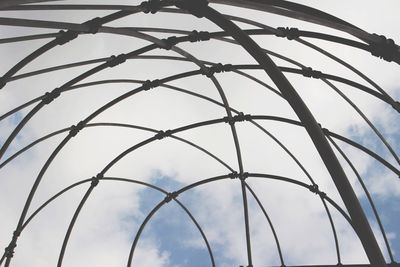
<point x="168" y="43"/>
<point x="217" y="68"/>
<point x="170" y="196"/>
<point x="194" y="7"/>
<point x="309" y="72"/>
<point x="315" y="189"/>
<point x="243" y="176"/>
<point x="96" y="179"/>
<point x="9" y="251"/>
<point x="74" y="130"/>
<point x="151" y="6"/>
<point x="93" y="25"/>
<point x="240" y="117"/>
<point x="161" y="134"/>
<point x="147" y="85"/>
<point x="116" y="60"/>
<point x="66" y="36"/>
<point x="289" y="33"/>
<point x="385" y="48"/>
<point x="233" y="175"/>
<point x="196" y="36"/>
<point x="50" y="96"/>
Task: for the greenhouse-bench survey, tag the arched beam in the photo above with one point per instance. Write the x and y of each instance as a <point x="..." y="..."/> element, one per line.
<point x="359" y="219"/>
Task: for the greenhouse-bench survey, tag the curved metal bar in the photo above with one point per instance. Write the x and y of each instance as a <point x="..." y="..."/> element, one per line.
<point x="394" y="104"/>
<point x="255" y="117"/>
<point x="19" y="152"/>
<point x="200" y="229"/>
<point x="336" y="240"/>
<point x="288" y="8"/>
<point x="3" y="257"/>
<point x="326" y="19"/>
<point x="300" y="12"/>
<point x="104" y="65"/>
<point x="370" y="124"/>
<point x="213" y="79"/>
<point x="158" y="136"/>
<point x="76" y="7"/>
<point x="298" y="72"/>
<point x="72" y="134"/>
<point x="280" y="144"/>
<point x="334" y="135"/>
<point x="269" y="176"/>
<point x="366" y="191"/>
<point x="7" y="3"/>
<point x="160" y="204"/>
<point x="60" y="67"/>
<point x="269" y="222"/>
<point x="130" y="181"/>
<point x="16" y="109"/>
<point x="179" y="191"/>
<point x="139" y="232"/>
<point x="333" y="228"/>
<point x="38" y="52"/>
<point x="86" y="196"/>
<point x="324" y="77"/>
<point x="65" y="85"/>
<point x="384" y="97"/>
<point x="54" y="197"/>
<point x="57" y="41"/>
<point x="240" y="66"/>
<point x="289" y="69"/>
<point x="247" y="223"/>
<point x="94" y="70"/>
<point x="72" y="223"/>
<point x="217" y="178"/>
<point x="43" y="138"/>
<point x="312" y="182"/>
<point x="232" y="127"/>
<point x="377" y="95"/>
<point x="306" y="13"/>
<point x="299" y="183"/>
<point x="332" y="164"/>
<point x="28" y="38"/>
<point x="304" y="170"/>
<point x="364" y="149"/>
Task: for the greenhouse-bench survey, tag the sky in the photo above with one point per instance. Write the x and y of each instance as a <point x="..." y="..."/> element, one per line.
<point x="115" y="210"/>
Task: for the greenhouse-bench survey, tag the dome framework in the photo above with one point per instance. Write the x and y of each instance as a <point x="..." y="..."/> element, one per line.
<point x="323" y="139"/>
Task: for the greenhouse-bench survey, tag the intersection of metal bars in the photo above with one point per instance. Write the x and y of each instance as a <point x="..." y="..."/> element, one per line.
<point x="377" y="45"/>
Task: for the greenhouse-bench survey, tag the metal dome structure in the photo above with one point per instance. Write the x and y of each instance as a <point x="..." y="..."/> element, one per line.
<point x="267" y="142"/>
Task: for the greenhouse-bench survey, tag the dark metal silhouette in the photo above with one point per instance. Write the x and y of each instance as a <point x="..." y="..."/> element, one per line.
<point x="322" y="138"/>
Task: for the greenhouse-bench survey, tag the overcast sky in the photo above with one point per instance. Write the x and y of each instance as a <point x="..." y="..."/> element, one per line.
<point x="109" y="220"/>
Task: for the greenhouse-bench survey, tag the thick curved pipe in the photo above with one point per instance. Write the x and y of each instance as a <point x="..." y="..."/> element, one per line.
<point x="371" y="202"/>
<point x="359" y="219"/>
